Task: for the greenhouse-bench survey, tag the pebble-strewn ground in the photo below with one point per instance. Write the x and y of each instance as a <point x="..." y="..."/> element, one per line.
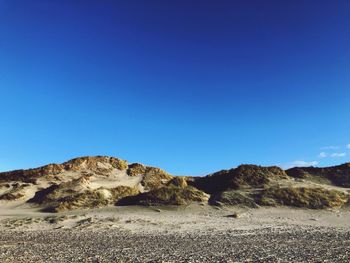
<point x="289" y="244"/>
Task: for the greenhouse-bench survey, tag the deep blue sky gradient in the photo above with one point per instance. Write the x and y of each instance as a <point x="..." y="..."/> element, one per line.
<point x="189" y="86"/>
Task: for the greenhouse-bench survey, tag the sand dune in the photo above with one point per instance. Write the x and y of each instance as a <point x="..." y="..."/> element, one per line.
<point x="245" y="214"/>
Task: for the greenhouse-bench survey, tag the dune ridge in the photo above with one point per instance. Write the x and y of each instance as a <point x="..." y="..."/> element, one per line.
<point x="97" y="181"/>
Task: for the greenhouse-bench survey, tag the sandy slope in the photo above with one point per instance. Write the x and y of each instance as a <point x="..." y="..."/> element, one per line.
<point x="192" y="218"/>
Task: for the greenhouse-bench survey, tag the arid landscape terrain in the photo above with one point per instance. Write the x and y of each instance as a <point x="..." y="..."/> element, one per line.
<point x="103" y="209"/>
<point x="231" y="116"/>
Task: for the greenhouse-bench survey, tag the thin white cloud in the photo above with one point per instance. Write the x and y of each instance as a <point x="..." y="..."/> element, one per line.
<point x="323" y="155"/>
<point x="298" y="164"/>
<point x="335" y="155"/>
<point x="331" y="147"/>
<point x="348" y="146"/>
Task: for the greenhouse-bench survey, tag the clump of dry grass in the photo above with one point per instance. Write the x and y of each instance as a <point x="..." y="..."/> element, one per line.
<point x="14" y="193"/>
<point x="123" y="191"/>
<point x="30" y="175"/>
<point x="306" y="197"/>
<point x="11" y="196"/>
<point x="233" y="197"/>
<point x="170" y="195"/>
<point x="178" y="181"/>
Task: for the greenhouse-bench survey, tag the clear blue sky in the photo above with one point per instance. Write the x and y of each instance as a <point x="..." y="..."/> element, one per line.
<point x="189" y="86"/>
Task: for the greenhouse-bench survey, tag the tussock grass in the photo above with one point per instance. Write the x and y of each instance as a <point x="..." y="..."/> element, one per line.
<point x="11" y="196"/>
<point x="179" y="182"/>
<point x="170" y="195"/>
<point x="314" y="198"/>
<point x="233" y="197"/>
<point x="14" y="193"/>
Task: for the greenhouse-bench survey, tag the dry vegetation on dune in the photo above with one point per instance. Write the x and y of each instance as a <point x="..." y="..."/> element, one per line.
<point x="11" y="196"/>
<point x="88" y="163"/>
<point x="233" y="198"/>
<point x="92" y="163"/>
<point x="241" y="177"/>
<point x="176" y="192"/>
<point x="56" y="192"/>
<point x="303" y="197"/>
<point x="84" y="182"/>
<point x="169" y="195"/>
<point x="152" y="177"/>
<point x="89" y="182"/>
<point x="307" y="197"/>
<point x="336" y="175"/>
<point x="178" y="181"/>
<point x="90" y="199"/>
<point x="14" y="191"/>
<point x="251" y="186"/>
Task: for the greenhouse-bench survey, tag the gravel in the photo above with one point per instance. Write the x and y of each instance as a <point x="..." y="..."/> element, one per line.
<point x="289" y="244"/>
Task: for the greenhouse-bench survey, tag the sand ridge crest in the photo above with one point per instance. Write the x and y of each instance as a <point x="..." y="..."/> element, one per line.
<point x="95" y="181"/>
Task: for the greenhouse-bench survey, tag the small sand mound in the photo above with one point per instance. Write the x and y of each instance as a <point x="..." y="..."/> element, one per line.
<point x="59" y="191"/>
<point x="170" y="195"/>
<point x="90" y="199"/>
<point x="152" y="177"/>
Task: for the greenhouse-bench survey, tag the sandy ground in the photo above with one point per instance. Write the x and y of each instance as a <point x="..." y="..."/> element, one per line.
<point x="196" y="233"/>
